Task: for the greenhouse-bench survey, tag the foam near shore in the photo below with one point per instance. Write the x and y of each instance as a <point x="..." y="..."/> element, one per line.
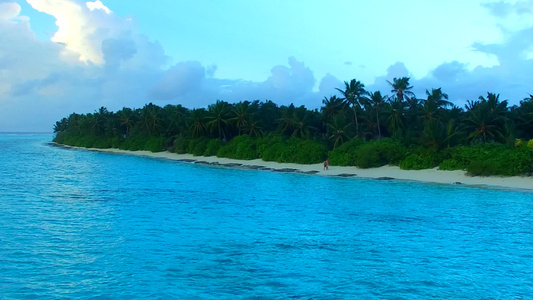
<point x="384" y="173"/>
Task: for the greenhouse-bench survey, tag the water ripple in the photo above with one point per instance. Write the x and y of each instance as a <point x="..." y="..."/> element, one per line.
<point x="77" y="224"/>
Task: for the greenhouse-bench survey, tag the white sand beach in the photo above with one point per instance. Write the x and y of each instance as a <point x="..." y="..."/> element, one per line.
<point x="385" y="172"/>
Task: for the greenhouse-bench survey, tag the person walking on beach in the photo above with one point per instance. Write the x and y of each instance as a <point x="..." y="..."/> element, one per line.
<point x="326" y="164"/>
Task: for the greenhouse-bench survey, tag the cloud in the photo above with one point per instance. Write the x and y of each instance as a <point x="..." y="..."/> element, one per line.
<point x="180" y="80"/>
<point x="97" y="58"/>
<point x="9" y="10"/>
<point x="504" y="9"/>
<point x="82" y="27"/>
<point x="192" y="84"/>
<point x="97" y="5"/>
<point x="117" y="50"/>
<point x="328" y="84"/>
<point x="449" y="72"/>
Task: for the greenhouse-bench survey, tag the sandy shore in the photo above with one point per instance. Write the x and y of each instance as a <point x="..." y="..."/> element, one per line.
<point x="383" y="173"/>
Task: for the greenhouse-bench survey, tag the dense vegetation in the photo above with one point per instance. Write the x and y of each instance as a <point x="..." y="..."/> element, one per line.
<point x="361" y="128"/>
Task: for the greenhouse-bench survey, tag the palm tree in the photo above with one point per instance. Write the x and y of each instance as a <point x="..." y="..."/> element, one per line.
<point x="375" y="102"/>
<point x="396" y="115"/>
<point x="175" y="118"/>
<point x="286" y="122"/>
<point x="435" y="103"/>
<point x="61" y="126"/>
<point x="332" y="107"/>
<point x="339" y="131"/>
<point x="217" y="118"/>
<point x="301" y="121"/>
<point x="197" y="121"/>
<point x="252" y="128"/>
<point x="525" y="117"/>
<point x="401" y="88"/>
<point x="353" y="91"/>
<point x="241" y="115"/>
<point x="151" y="118"/>
<point x="126" y="119"/>
<point x="267" y="114"/>
<point x="486" y="118"/>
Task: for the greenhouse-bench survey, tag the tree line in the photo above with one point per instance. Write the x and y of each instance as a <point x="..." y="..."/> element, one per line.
<point x="424" y="132"/>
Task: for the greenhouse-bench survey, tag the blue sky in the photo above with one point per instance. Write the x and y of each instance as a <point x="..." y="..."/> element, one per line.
<point x="61" y="56"/>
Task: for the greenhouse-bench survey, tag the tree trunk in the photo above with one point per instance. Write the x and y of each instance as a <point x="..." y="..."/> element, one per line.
<point x="379" y="127"/>
<point x="356" y="120"/>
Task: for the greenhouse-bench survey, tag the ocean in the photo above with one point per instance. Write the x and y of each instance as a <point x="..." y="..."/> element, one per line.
<point x="89" y="225"/>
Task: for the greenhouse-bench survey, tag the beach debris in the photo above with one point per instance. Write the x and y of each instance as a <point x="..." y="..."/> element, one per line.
<point x="457" y="183"/>
<point x="308" y="172"/>
<point x="346" y="175"/>
<point x="285" y="170"/>
<point x="384" y="178"/>
<point x="231" y="165"/>
<point x="187" y="160"/>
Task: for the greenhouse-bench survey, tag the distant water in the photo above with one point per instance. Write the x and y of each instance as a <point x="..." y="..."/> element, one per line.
<point x="79" y="224"/>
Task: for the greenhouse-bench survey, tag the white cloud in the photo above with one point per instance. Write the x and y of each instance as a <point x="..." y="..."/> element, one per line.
<point x="82" y="28"/>
<point x="98" y="5"/>
<point x="9" y="10"/>
<point x="98" y="58"/>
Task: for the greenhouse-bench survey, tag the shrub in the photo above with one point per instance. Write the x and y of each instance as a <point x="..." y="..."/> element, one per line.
<point x="530" y="144"/>
<point x="306" y="151"/>
<point x="180" y="145"/>
<point x="212" y="147"/>
<point x="518" y="143"/>
<point x="116" y="142"/>
<point x="345" y="154"/>
<point x="450" y="164"/>
<point x="154" y="144"/>
<point x="266" y="142"/>
<point x="133" y="143"/>
<point x="197" y="147"/>
<point x="366" y="156"/>
<point x="293" y="150"/>
<point x="418" y="162"/>
<point x="274" y="152"/>
<point x="390" y="151"/>
<point x="240" y="147"/>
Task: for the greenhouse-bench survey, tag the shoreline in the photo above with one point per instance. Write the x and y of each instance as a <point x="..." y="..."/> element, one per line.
<point x="381" y="173"/>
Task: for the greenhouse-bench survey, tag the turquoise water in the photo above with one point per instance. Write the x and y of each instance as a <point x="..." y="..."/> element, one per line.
<point x="79" y="224"/>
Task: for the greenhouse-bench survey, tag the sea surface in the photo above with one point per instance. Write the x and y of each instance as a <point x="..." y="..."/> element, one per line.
<point x="86" y="225"/>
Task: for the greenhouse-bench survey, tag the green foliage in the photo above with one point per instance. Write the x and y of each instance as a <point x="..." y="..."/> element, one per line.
<point x="345" y="154"/>
<point x="300" y="135"/>
<point x="241" y="147"/>
<point x="197" y="147"/>
<point x="133" y="143"/>
<point x="392" y="152"/>
<point x="264" y="144"/>
<point x="417" y="162"/>
<point x="450" y="164"/>
<point x="423" y="159"/>
<point x="212" y="147"/>
<point x="368" y="154"/>
<point x="293" y="150"/>
<point x="180" y="145"/>
<point x="518" y="143"/>
<point x="155" y="144"/>
<point x="510" y="162"/>
<point x="306" y="151"/>
<point x="490" y="159"/>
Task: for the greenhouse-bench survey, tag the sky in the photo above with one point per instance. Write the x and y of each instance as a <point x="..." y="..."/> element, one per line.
<point x="63" y="56"/>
